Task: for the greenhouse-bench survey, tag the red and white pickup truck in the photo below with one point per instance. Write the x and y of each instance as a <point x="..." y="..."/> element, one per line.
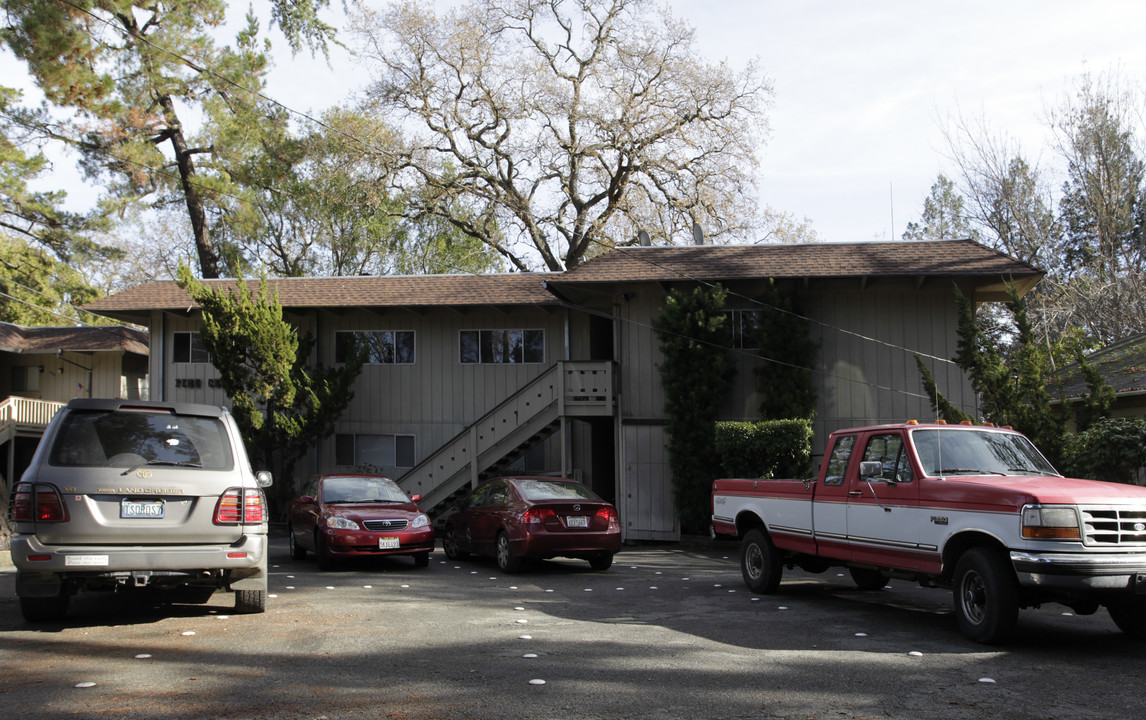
<point x="975" y="509"/>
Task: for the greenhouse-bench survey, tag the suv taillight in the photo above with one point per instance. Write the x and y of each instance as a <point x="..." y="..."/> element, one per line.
<point x="237" y="506"/>
<point x="37" y="503"/>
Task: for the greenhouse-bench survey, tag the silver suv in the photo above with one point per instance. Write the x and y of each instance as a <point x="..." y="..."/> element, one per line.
<point x="128" y="495"/>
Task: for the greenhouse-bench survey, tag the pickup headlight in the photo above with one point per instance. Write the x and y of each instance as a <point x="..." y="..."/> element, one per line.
<point x="340" y="523"/>
<point x="1050" y="522"/>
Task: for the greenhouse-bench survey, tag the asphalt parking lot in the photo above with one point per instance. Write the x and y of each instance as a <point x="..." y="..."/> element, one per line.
<point x="667" y="632"/>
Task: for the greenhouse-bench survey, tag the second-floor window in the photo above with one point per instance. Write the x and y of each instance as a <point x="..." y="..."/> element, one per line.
<point x="188" y="348"/>
<point x="493" y="347"/>
<point x="383" y="347"/>
<point x="743" y="328"/>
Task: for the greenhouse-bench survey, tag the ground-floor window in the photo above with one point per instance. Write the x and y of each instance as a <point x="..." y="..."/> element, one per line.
<point x="188" y="347"/>
<point x="378" y="451"/>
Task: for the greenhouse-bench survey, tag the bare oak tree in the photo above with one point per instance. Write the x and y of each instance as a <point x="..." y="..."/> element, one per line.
<point x="565" y="127"/>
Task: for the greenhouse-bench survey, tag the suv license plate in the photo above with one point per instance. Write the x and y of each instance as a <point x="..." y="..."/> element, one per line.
<point x="388" y="543"/>
<point x="577" y="521"/>
<point x="152" y="509"/>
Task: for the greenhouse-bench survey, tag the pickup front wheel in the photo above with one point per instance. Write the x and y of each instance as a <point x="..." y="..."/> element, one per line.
<point x="986" y="596"/>
<point x="760" y="562"/>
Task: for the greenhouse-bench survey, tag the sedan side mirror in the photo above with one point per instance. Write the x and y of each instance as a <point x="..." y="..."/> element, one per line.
<point x="306" y="500"/>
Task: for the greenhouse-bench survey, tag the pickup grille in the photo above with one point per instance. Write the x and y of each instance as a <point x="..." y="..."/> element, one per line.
<point x="1114" y="526"/>
<point x="384" y="525"/>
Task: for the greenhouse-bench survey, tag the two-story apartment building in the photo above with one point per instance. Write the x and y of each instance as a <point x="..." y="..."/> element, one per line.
<point x="473" y="375"/>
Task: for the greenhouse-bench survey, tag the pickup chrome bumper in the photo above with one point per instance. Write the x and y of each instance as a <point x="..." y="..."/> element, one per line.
<point x="1081" y="571"/>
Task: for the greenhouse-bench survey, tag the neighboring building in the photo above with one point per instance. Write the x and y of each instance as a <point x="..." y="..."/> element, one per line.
<point x="473" y="375"/>
<point x="41" y="368"/>
<point x="1123" y="366"/>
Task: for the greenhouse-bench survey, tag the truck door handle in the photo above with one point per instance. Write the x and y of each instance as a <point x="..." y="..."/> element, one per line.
<point x="855" y="493"/>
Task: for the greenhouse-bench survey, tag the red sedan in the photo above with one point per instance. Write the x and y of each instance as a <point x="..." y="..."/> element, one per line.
<point x="343" y="516"/>
<point x="516" y="518"/>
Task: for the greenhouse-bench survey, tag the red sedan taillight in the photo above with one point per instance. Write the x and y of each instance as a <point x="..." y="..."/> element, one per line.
<point x="37" y="503"/>
<point x="237" y="505"/>
<point x="610" y="514"/>
<point x="534" y="516"/>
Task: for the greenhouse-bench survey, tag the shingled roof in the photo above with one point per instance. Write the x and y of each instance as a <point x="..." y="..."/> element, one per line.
<point x="1122" y="365"/>
<point x="948" y="258"/>
<point x="953" y="258"/>
<point x="19" y="339"/>
<point x="408" y="291"/>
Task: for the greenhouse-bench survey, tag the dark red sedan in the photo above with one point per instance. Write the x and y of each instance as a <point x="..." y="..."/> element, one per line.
<point x="515" y="518"/>
<point x="343" y="516"/>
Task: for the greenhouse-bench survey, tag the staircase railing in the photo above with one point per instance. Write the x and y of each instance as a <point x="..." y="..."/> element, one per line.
<point x="520" y="421"/>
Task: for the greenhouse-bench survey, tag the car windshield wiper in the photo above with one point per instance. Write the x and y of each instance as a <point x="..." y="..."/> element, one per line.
<point x="969" y="471"/>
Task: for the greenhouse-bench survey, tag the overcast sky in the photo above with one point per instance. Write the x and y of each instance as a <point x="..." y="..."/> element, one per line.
<point x="861" y="88"/>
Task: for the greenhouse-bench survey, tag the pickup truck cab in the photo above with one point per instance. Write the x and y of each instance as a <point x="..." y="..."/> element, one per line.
<point x="972" y="508"/>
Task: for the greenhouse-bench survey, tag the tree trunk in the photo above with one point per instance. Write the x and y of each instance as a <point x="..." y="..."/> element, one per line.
<point x="185" y="160"/>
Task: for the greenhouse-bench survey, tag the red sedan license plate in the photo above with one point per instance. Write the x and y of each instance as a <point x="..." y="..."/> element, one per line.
<point x="577" y="521"/>
<point x="388" y="543"/>
<point x="152" y="509"/>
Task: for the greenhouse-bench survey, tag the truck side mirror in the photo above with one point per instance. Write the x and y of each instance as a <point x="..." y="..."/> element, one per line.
<point x="871" y="470"/>
<point x="263" y="478"/>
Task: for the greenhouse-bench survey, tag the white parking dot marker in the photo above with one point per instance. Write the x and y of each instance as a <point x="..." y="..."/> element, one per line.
<point x="524" y="637"/>
<point x="329" y="587"/>
<point x="537" y="682"/>
<point x="142" y="656"/>
<point x="782" y="607"/>
<point x="987" y="681"/>
<point x="188" y="633"/>
<point x="519" y="608"/>
<point x="222" y="617"/>
<point x="914" y="653"/>
<point x="405" y="586"/>
<point x="522" y="621"/>
<point x="529" y="655"/>
<point x="368" y="587"/>
<point x="512" y="587"/>
<point x="272" y="596"/>
<point x="652" y="587"/>
<point x="290" y="587"/>
<point x="861" y="634"/>
<point x="85" y="685"/>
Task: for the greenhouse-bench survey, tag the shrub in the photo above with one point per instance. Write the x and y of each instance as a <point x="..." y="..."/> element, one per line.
<point x="1113" y="449"/>
<point x="770" y="448"/>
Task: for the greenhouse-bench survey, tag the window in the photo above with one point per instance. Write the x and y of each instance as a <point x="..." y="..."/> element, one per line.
<point x="188" y="348"/>
<point x="26" y="379"/>
<point x="838" y="464"/>
<point x="495" y="347"/>
<point x="887" y="450"/>
<point x="374" y="450"/>
<point x="743" y="328"/>
<point x="383" y="347"/>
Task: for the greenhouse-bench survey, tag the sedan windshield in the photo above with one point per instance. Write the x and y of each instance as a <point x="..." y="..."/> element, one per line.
<point x="977" y="451"/>
<point x="362" y="490"/>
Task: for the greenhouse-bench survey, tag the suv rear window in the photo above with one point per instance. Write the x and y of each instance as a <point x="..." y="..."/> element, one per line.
<point x="129" y="438"/>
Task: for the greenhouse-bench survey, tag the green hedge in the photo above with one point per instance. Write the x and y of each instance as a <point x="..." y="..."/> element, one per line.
<point x="770" y="448"/>
<point x="1111" y="449"/>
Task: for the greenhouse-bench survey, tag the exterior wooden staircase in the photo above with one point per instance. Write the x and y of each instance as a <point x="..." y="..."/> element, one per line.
<point x="488" y="446"/>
